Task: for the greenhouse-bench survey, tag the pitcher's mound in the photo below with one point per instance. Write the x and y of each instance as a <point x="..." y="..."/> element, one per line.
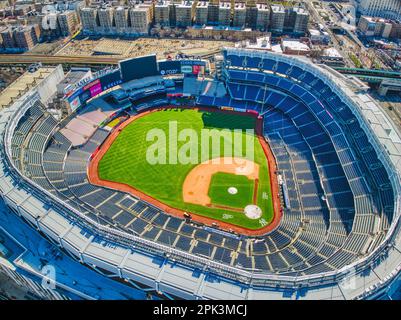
<point x="232" y="190"/>
<point x="253" y="211"/>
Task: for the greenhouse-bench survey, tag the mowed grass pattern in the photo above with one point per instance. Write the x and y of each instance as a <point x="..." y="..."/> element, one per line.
<point x="126" y="162"/>
<point x="218" y="190"/>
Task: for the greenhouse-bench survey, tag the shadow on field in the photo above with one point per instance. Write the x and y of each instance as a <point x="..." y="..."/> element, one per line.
<point x="228" y="121"/>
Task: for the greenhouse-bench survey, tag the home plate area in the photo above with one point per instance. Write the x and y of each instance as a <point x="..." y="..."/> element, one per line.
<point x="227" y="185"/>
<point x="253" y="211"/>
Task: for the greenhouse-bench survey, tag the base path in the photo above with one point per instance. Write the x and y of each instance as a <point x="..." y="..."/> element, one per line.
<point x="93" y="177"/>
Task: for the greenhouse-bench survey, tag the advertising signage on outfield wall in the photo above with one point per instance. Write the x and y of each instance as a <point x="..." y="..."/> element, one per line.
<point x="169" y="67"/>
<point x="111" y="80"/>
<point x="193" y="63"/>
<point x="193" y="66"/>
<point x="94" y="88"/>
<point x="186" y="69"/>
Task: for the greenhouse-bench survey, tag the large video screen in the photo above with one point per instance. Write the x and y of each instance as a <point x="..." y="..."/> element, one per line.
<point x="137" y="68"/>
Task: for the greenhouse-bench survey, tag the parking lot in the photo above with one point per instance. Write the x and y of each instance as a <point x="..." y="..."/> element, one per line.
<point x="139" y="47"/>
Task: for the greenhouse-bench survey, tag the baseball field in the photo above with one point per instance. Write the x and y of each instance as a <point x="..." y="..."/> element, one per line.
<point x="171" y="167"/>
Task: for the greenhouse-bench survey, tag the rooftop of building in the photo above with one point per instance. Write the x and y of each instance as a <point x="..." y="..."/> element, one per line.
<point x="142" y="7"/>
<point x="375" y="19"/>
<point x="184" y="4"/>
<point x="226" y="5"/>
<point x="295" y="45"/>
<point x="58" y="7"/>
<point x="277" y="8"/>
<point x="72" y="77"/>
<point x="162" y="3"/>
<point x="314" y="32"/>
<point x="263" y="6"/>
<point x="87" y="9"/>
<point x="22" y="85"/>
<point x="106" y="9"/>
<point x="202" y="4"/>
<point x="332" y="53"/>
<point x="240" y="5"/>
<point x="301" y="10"/>
<point x="261" y="43"/>
<point x="18" y="28"/>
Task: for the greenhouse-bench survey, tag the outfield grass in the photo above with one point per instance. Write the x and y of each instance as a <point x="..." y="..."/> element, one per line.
<point x="126" y="162"/>
<point x="218" y="191"/>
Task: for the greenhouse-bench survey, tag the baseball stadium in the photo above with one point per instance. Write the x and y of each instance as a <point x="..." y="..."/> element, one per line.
<point x="272" y="178"/>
